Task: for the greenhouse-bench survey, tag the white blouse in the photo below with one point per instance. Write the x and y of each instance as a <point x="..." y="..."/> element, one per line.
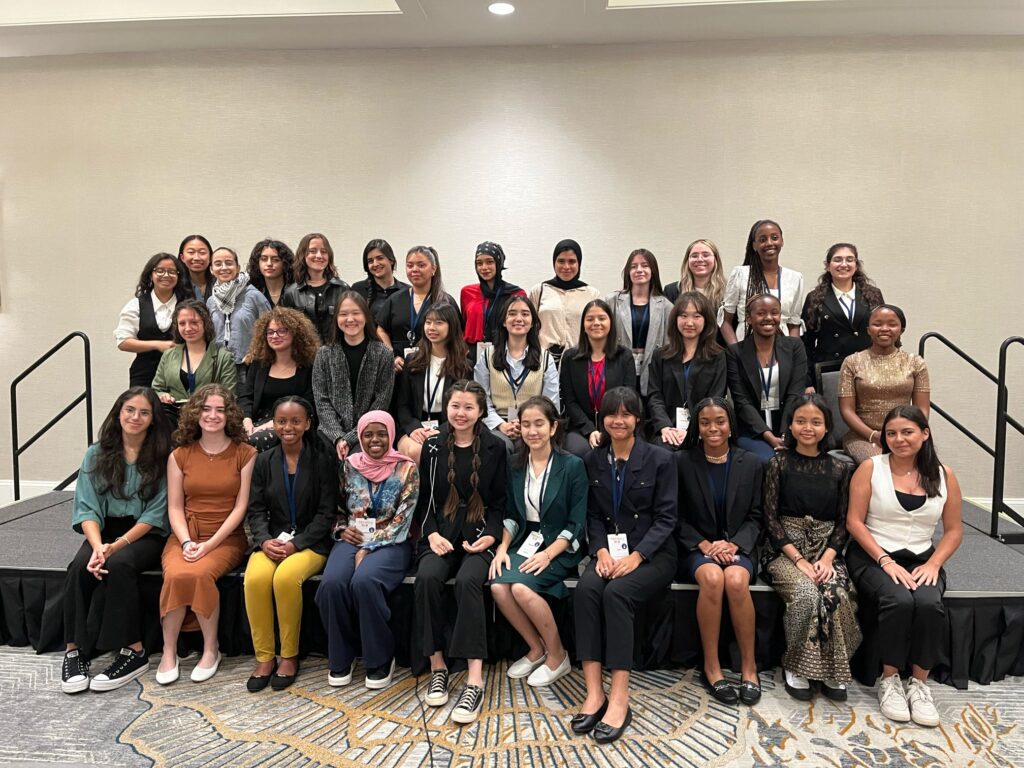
<point x="790" y="292"/>
<point x="433" y="383"/>
<point x="128" y="322"/>
<point x="893" y="527"/>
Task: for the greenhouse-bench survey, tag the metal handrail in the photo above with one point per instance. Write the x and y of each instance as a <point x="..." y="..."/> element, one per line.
<point x="16" y="449"/>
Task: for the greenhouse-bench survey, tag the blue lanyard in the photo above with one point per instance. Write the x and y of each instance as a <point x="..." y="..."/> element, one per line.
<point x="431" y="393"/>
<point x="645" y="319"/>
<point x="847" y="309"/>
<point x="596" y="385"/>
<point x="414" y="316"/>
<point x="290" y="483"/>
<point x="766" y="383"/>
<point x="516" y="383"/>
<point x="618" y="486"/>
<point x="543" y="481"/>
<point x="489" y="311"/>
<point x="686" y="379"/>
<point x="376" y="496"/>
<point x="190" y="375"/>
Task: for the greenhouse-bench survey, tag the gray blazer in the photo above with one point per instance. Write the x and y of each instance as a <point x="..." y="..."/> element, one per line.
<point x="660" y="309"/>
<point x="332" y="390"/>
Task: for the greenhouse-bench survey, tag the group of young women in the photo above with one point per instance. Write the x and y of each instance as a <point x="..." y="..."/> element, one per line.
<point x="580" y="426"/>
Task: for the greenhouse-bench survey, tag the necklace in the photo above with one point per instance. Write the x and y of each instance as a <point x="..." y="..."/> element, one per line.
<point x="215" y="454"/>
<point x="716" y="459"/>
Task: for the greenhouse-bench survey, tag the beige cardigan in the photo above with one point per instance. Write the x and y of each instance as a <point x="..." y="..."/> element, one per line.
<point x="560" y="312"/>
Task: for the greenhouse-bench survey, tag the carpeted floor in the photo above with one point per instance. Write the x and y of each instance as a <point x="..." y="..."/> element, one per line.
<point x="676" y="724"/>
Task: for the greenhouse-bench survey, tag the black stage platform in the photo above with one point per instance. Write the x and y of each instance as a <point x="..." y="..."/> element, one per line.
<point x="985" y="604"/>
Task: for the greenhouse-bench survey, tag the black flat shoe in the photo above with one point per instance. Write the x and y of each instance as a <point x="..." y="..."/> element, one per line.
<point x="257" y="683"/>
<point x="280" y="682"/>
<point x="750" y="692"/>
<point x="583" y="723"/>
<point x="833" y="694"/>
<point x="605" y="734"/>
<point x="721" y="690"/>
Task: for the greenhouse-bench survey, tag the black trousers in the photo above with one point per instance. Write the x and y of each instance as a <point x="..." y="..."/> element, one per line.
<point x="469" y="633"/>
<point x="911" y="624"/>
<point x="604" y="609"/>
<point x="102" y="615"/>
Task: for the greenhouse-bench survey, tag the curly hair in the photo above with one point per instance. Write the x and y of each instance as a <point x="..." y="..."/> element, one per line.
<point x="182" y="289"/>
<point x="715" y="289"/>
<point x="189" y="431"/>
<point x="108" y="467"/>
<point x="305" y="341"/>
<point x="707" y="345"/>
<point x="201" y="312"/>
<point x="870" y="292"/>
<point x="256" y="279"/>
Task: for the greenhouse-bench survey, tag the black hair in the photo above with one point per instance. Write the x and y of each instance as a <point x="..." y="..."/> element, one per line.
<point x="252" y="268"/>
<point x="378" y="244"/>
<point x="707" y="344"/>
<point x="456" y="362"/>
<point x="475" y="504"/>
<point x="615" y="398"/>
<point x="815" y="303"/>
<point x="182" y="289"/>
<point x="533" y="348"/>
<point x="756" y="283"/>
<point x="611" y="344"/>
<point x="550" y="412"/>
<point x="819" y="402"/>
<point x="108" y="466"/>
<point x="927" y="461"/>
<point x="298" y="400"/>
<point x="370" y="327"/>
<point x="899" y="316"/>
<point x="693" y="439"/>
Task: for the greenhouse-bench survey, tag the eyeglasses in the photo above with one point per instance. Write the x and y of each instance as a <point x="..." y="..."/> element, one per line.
<point x="278" y="332"/>
<point x="160" y="272"/>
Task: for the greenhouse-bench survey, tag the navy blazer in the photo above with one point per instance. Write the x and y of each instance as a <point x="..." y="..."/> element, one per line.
<point x="667" y="389"/>
<point x="835" y="338"/>
<point x="316" y="498"/>
<point x="648" y="512"/>
<point x="744" y="374"/>
<point x="564" y="507"/>
<point x="491" y="484"/>
<point x="250" y="390"/>
<point x="697" y="519"/>
<point x="619" y="371"/>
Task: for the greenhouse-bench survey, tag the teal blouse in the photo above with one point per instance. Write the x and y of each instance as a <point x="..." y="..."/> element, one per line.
<point x="90" y="505"/>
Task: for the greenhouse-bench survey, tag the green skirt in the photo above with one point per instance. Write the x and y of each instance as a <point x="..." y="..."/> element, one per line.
<point x="547" y="582"/>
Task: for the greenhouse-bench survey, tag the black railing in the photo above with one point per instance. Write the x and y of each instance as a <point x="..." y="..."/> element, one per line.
<point x="998" y="453"/>
<point x="16" y="449"/>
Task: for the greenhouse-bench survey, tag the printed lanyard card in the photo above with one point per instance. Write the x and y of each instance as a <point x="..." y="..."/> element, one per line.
<point x="529" y="547"/>
<point x="431" y="424"/>
<point x="618" y="546"/>
<point x="682" y="419"/>
<point x="285" y="536"/>
<point x="513" y="413"/>
<point x="407" y="352"/>
<point x="365" y="525"/>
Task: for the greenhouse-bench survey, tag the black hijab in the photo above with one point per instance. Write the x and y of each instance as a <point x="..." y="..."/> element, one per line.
<point x="556" y="281"/>
<point x="501" y="291"/>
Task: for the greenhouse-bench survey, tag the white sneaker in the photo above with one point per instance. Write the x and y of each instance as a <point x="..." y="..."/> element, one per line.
<point x="523" y="667"/>
<point x="892" y="700"/>
<point x="922" y="708"/>
<point x="338" y="678"/>
<point x="544" y="675"/>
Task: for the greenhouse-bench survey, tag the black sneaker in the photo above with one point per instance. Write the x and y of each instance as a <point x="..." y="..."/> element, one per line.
<point x="380" y="677"/>
<point x="469" y="705"/>
<point x="126" y="666"/>
<point x="336" y="678"/>
<point x="437" y="690"/>
<point x="74" y="673"/>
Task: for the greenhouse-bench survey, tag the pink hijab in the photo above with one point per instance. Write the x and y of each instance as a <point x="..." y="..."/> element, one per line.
<point x="376" y="470"/>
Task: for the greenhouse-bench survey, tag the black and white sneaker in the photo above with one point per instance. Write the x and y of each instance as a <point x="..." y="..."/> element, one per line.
<point x="127" y="665"/>
<point x="437" y="690"/>
<point x="336" y="678"/>
<point x="380" y="677"/>
<point x="469" y="705"/>
<point x="74" y="673"/>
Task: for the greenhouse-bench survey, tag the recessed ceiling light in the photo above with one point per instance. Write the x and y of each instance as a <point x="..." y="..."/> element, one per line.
<point x="501" y="9"/>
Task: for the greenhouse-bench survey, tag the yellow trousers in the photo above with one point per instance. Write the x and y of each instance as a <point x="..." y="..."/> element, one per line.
<point x="270" y="584"/>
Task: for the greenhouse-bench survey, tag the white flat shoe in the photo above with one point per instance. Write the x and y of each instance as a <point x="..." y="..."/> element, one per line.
<point x="544" y="675"/>
<point x="202" y="674"/>
<point x="524" y="667"/>
<point x="168" y="677"/>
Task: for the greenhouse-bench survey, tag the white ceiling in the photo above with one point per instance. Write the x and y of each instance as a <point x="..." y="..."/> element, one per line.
<point x="51" y="27"/>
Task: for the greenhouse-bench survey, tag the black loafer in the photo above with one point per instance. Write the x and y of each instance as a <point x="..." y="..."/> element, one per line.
<point x="721" y="690"/>
<point x="750" y="692"/>
<point x="257" y="683"/>
<point x="280" y="682"/>
<point x="605" y="734"/>
<point x="583" y="723"/>
<point x="833" y="694"/>
<point x="800" y="694"/>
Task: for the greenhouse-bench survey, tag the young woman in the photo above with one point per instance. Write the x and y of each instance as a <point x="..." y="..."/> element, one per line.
<point x="208" y="479"/>
<point x="352" y="374"/>
<point x="597" y="363"/>
<point x="284" y="346"/>
<point x="379" y="265"/>
<point x="690" y="368"/>
<point x="144" y="326"/>
<point x="541" y="545"/>
<point x="560" y="300"/>
<point x="270" y="269"/>
<point x="719" y="525"/>
<point x="379" y="488"/>
<point x="514" y="368"/>
<point x="194" y="360"/>
<point x="481" y="303"/>
<point x="194" y="252"/>
<point x="292" y="504"/>
<point x="317" y="289"/>
<point x="400" y="317"/>
<point x="121" y="508"/>
<point x="836" y="311"/>
<point x="701" y="271"/>
<point x="631" y="516"/>
<point x="234" y="306"/>
<point x="896" y="500"/>
<point x="761" y="273"/>
<point x="805" y="498"/>
<point x="641" y="312"/>
<point x="766" y="372"/>
<point x="440" y="360"/>
<point x="461" y="504"/>
<point x="882" y="377"/>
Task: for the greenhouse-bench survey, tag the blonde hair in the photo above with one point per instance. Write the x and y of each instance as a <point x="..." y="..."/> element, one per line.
<point x="715" y="289"/>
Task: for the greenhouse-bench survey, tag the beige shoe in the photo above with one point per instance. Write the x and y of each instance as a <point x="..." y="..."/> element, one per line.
<point x="922" y="708"/>
<point x="892" y="700"/>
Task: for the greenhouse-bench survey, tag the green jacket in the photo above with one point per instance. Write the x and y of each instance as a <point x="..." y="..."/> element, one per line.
<point x="217" y="367"/>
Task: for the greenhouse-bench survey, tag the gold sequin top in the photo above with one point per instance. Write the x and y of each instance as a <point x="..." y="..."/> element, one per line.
<point x="881" y="382"/>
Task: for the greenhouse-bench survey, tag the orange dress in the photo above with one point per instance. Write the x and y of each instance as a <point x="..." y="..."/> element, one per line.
<point x="211" y="485"/>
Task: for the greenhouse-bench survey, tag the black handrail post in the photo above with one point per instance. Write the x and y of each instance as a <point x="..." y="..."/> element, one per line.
<point x="1002" y="415"/>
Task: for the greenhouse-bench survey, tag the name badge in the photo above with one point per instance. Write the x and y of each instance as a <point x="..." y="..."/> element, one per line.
<point x="529" y="547"/>
<point x="638" y="360"/>
<point x="513" y="413"/>
<point x="430" y="424"/>
<point x="365" y="525"/>
<point x="285" y="536"/>
<point x="407" y="352"/>
<point x="682" y="418"/>
<point x="764" y="403"/>
<point x="618" y="546"/>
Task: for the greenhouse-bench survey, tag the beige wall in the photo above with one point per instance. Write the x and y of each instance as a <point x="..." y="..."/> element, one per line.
<point x="909" y="148"/>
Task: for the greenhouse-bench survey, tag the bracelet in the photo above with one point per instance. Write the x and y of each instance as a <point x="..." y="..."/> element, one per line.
<point x="871" y="437"/>
<point x="889" y="561"/>
<point x="186" y="542"/>
<point x="127" y="541"/>
<point x="881" y="557"/>
<point x="798" y="559"/>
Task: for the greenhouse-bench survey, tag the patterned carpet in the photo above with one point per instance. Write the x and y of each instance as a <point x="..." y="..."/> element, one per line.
<point x="676" y="724"/>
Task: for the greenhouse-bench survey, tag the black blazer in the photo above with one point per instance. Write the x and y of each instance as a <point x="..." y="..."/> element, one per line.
<point x="836" y="338"/>
<point x="619" y="371"/>
<point x="250" y="390"/>
<point x="745" y="380"/>
<point x="303" y="298"/>
<point x="666" y="387"/>
<point x="407" y="403"/>
<point x="316" y="499"/>
<point x="650" y="494"/>
<point x="697" y="520"/>
<point x="434" y="490"/>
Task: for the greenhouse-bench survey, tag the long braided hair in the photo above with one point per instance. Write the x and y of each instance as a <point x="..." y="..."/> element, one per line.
<point x="756" y="283"/>
<point x="475" y="504"/>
